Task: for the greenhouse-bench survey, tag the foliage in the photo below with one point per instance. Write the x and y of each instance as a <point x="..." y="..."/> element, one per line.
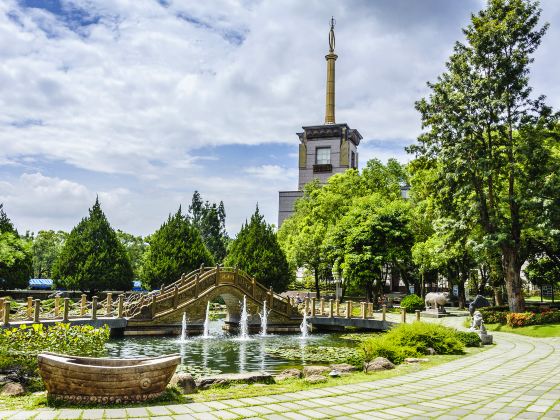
<point x="15" y="261"/>
<point x="6" y="224"/>
<point x="46" y="247"/>
<point x="92" y="257"/>
<point x="175" y="248"/>
<point x="490" y="142"/>
<point x="469" y="338"/>
<point x="318" y="354"/>
<point x="256" y="251"/>
<point x="210" y="220"/>
<point x="410" y="340"/>
<point x="524" y="319"/>
<point x="412" y="303"/>
<point x="19" y="346"/>
<point x="135" y="248"/>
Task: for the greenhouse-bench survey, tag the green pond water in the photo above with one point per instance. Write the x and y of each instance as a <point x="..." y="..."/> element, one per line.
<point x="225" y="352"/>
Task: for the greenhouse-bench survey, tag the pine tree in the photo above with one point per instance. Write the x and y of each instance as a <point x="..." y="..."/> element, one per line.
<point x="92" y="258"/>
<point x="256" y="251"/>
<point x="5" y="223"/>
<point x="175" y="248"/>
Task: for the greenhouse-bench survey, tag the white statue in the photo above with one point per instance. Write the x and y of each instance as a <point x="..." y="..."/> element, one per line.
<point x="478" y="323"/>
<point x="436" y="301"/>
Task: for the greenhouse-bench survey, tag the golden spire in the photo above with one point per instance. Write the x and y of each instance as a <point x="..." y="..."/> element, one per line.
<point x="331" y="58"/>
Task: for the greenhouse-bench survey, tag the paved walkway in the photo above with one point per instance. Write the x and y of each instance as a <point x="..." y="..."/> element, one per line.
<point x="517" y="378"/>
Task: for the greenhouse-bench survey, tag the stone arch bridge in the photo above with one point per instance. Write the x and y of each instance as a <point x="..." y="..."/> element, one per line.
<point x="161" y="312"/>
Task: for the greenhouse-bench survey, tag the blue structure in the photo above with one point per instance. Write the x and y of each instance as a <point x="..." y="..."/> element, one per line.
<point x="137" y="286"/>
<point x="40" y="284"/>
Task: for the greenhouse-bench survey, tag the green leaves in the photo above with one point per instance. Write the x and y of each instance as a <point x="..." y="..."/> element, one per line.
<point x="256" y="251"/>
<point x="175" y="248"/>
<point x="92" y="257"/>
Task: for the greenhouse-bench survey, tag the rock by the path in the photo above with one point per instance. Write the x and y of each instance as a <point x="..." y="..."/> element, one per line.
<point x="288" y="374"/>
<point x="415" y="360"/>
<point x="12" y="389"/>
<point x="315" y="370"/>
<point x="185" y="382"/>
<point x="343" y="368"/>
<point x="431" y="351"/>
<point x="235" y="378"/>
<point x="315" y="379"/>
<point x="377" y="364"/>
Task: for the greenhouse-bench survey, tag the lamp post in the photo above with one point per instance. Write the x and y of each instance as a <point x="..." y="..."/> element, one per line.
<point x="337" y="282"/>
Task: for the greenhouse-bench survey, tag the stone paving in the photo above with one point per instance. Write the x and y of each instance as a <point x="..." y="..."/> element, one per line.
<point x="519" y="377"/>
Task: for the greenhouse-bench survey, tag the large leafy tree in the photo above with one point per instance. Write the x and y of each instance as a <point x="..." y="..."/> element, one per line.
<point x="92" y="258"/>
<point x="370" y="240"/>
<point x="15" y="255"/>
<point x="175" y="248"/>
<point x="489" y="136"/>
<point x="46" y="247"/>
<point x="210" y="220"/>
<point x="256" y="251"/>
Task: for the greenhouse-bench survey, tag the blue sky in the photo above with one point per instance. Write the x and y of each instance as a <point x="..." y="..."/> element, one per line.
<point x="142" y="102"/>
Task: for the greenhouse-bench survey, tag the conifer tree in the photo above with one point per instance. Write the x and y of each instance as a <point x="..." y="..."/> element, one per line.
<point x="210" y="220"/>
<point x="256" y="251"/>
<point x="175" y="248"/>
<point x="92" y="258"/>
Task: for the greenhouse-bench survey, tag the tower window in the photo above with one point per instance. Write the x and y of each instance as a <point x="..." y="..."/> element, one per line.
<point x="353" y="160"/>
<point x="323" y="155"/>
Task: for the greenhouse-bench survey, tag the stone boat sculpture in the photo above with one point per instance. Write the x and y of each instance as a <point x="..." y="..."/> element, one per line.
<point x="85" y="380"/>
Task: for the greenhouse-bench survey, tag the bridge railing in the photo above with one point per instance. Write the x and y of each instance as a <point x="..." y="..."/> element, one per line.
<point x="348" y="309"/>
<point x="60" y="309"/>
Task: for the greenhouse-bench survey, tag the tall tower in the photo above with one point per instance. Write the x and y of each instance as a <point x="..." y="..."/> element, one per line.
<point x="326" y="149"/>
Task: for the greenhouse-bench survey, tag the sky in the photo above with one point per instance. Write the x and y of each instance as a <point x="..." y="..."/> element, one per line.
<point x="142" y="102"/>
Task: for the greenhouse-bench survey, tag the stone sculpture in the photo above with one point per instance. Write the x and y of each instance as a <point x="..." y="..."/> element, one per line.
<point x="436" y="301"/>
<point x="478" y="302"/>
<point x="478" y="327"/>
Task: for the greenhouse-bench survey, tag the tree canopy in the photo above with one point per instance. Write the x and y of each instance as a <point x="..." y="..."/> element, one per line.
<point x="175" y="248"/>
<point x="46" y="247"/>
<point x="92" y="258"/>
<point x="15" y="255"/>
<point x="256" y="251"/>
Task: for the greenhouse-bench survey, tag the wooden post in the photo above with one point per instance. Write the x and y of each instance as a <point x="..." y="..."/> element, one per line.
<point x="121" y="306"/>
<point x="56" y="306"/>
<point x="175" y="296"/>
<point x="384" y="312"/>
<point x="109" y="310"/>
<point x="363" y="307"/>
<point x="403" y="316"/>
<point x="65" y="309"/>
<point x="153" y="306"/>
<point x="370" y="310"/>
<point x="417" y="315"/>
<point x="306" y="306"/>
<point x="196" y="286"/>
<point x="331" y="308"/>
<point x="348" y="309"/>
<point x="270" y="297"/>
<point x="253" y="285"/>
<point x="37" y="310"/>
<point x="322" y="308"/>
<point x="83" y="305"/>
<point x="337" y="304"/>
<point x="6" y="314"/>
<point x="29" y="307"/>
<point x="94" y="308"/>
<point x="312" y="306"/>
<point x="1" y="307"/>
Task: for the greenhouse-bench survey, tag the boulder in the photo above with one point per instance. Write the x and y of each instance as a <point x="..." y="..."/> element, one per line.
<point x="343" y="368"/>
<point x="235" y="378"/>
<point x="288" y="374"/>
<point x="315" y="379"/>
<point x="185" y="382"/>
<point x="377" y="364"/>
<point x="12" y="389"/>
<point x="315" y="370"/>
<point x="431" y="351"/>
<point x="415" y="360"/>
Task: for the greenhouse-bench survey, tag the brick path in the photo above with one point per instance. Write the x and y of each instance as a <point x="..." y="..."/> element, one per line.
<point x="517" y="378"/>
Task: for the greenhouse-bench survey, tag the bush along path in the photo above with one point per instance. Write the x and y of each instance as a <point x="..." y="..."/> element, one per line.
<point x="519" y="377"/>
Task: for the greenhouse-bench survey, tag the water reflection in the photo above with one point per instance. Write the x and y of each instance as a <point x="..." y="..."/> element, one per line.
<point x="224" y="352"/>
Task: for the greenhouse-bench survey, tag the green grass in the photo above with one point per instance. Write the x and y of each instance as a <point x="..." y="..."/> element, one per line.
<point x="541" y="331"/>
<point x="545" y="299"/>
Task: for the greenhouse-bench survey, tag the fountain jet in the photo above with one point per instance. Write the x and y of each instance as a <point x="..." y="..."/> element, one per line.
<point x="304" y="326"/>
<point x="206" y="333"/>
<point x="264" y="320"/>
<point x="184" y="327"/>
<point x="243" y="321"/>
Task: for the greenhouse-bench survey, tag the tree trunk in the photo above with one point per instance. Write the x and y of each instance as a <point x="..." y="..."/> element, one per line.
<point x="540" y="288"/>
<point x="462" y="297"/>
<point x="514" y="285"/>
<point x="498" y="295"/>
<point x="317" y="286"/>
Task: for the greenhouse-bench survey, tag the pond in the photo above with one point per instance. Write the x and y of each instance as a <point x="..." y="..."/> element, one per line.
<point x="225" y="352"/>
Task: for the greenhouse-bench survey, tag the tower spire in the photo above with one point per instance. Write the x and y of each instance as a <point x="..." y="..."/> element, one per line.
<point x="331" y="58"/>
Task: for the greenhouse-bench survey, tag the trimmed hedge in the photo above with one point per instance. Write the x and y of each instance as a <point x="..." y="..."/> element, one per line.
<point x="534" y="316"/>
<point x="412" y="303"/>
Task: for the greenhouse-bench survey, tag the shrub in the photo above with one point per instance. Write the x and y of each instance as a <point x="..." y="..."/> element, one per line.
<point x="410" y="340"/>
<point x="412" y="303"/>
<point x="531" y="318"/>
<point x="469" y="339"/>
<point x="19" y="346"/>
<point x="494" y="314"/>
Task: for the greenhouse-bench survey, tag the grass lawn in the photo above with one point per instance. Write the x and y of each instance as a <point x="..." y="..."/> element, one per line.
<point x="547" y="330"/>
<point x="538" y="299"/>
